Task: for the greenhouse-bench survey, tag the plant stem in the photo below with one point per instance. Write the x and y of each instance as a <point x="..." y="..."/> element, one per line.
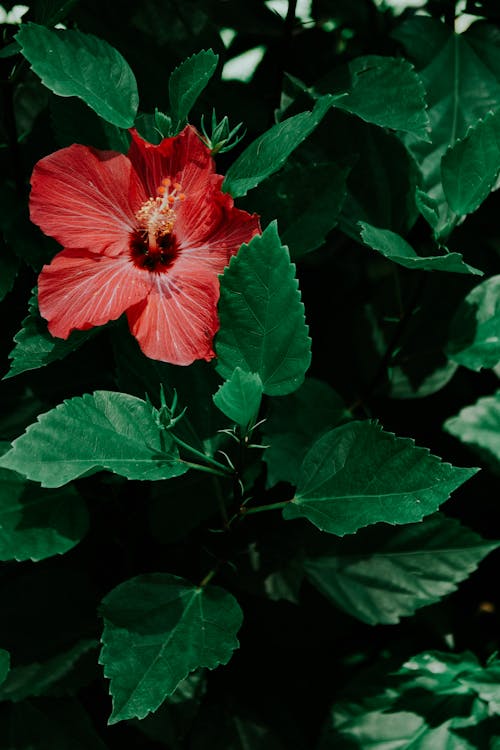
<point x="222" y="470"/>
<point x="262" y="508"/>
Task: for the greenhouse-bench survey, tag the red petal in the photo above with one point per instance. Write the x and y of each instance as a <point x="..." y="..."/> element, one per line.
<point x="210" y="229"/>
<point x="86" y="198"/>
<point x="79" y="290"/>
<point x="183" y="158"/>
<point x="178" y="320"/>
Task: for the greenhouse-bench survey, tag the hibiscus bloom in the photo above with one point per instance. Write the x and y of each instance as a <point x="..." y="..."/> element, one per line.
<point x="144" y="234"/>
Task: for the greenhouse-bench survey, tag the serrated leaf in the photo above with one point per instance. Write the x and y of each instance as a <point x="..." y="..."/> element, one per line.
<point x="479" y="425"/>
<point x="269" y="152"/>
<point x="395" y="248"/>
<point x="111" y="431"/>
<point x="475" y="329"/>
<point x="262" y="325"/>
<point x="37" y="523"/>
<point x="383" y="574"/>
<point x="4" y="665"/>
<point x="387" y="92"/>
<point x="239" y="397"/>
<point x="40" y="678"/>
<point x="358" y="474"/>
<point x="470" y="167"/>
<point x="294" y="423"/>
<point x="71" y="63"/>
<point x="187" y="82"/>
<point x="35" y="347"/>
<point x="157" y="629"/>
<point x="305" y="202"/>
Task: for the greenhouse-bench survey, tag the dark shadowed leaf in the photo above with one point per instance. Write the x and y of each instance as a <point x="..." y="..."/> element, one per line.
<point x="358" y="474"/>
<point x="157" y="629"/>
<point x="71" y="63"/>
<point x="262" y="325"/>
<point x="479" y="425"/>
<point x="382" y="574"/>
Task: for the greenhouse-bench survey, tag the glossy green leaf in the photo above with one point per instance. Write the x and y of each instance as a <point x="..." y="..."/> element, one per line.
<point x="111" y="431"/>
<point x="423" y="705"/>
<point x="294" y="423"/>
<point x="382" y="574"/>
<point x="71" y="63"/>
<point x="305" y="202"/>
<point x="35" y="347"/>
<point x="358" y="474"/>
<point x="157" y="629"/>
<point x="40" y="678"/>
<point x="395" y="248"/>
<point x="269" y="152"/>
<point x="387" y="92"/>
<point x="4" y="665"/>
<point x="262" y="325"/>
<point x="37" y="523"/>
<point x="475" y="329"/>
<point x="469" y="168"/>
<point x="187" y="82"/>
<point x="239" y="397"/>
<point x="479" y="425"/>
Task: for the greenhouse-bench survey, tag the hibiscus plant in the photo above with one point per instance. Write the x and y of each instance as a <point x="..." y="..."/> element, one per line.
<point x="250" y="425"/>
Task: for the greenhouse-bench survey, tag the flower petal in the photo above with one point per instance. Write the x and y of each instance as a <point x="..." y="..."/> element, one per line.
<point x="210" y="229"/>
<point x="183" y="158"/>
<point x="86" y="198"/>
<point x="178" y="320"/>
<point x="79" y="290"/>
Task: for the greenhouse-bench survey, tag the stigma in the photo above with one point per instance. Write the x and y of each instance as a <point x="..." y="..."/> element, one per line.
<point x="153" y="246"/>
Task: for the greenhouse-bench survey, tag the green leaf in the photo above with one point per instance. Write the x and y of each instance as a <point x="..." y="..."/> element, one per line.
<point x="358" y="474"/>
<point x="294" y="423"/>
<point x="270" y="151"/>
<point x="423" y="705"/>
<point x="71" y="63"/>
<point x="40" y="678"/>
<point x="469" y="168"/>
<point x="111" y="431"/>
<point x="157" y="629"/>
<point x="187" y="82"/>
<point x="35" y="347"/>
<point x="475" y="329"/>
<point x="395" y="248"/>
<point x="479" y="425"/>
<point x="239" y="397"/>
<point x="382" y="574"/>
<point x="387" y="92"/>
<point x="4" y="665"/>
<point x="305" y="202"/>
<point x="262" y="325"/>
<point x="37" y="523"/>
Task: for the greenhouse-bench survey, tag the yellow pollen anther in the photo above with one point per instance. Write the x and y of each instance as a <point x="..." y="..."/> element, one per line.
<point x="166" y="181"/>
<point x="177" y="185"/>
<point x="171" y="198"/>
<point x="182" y="197"/>
<point x="161" y="190"/>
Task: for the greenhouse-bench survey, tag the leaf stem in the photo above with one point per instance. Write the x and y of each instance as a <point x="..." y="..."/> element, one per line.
<point x="222" y="470"/>
<point x="262" y="508"/>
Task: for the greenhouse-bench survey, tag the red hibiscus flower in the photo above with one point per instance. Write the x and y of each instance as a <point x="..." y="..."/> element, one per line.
<point x="144" y="234"/>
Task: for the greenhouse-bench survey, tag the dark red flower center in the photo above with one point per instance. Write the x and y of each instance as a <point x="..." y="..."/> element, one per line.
<point x="153" y="245"/>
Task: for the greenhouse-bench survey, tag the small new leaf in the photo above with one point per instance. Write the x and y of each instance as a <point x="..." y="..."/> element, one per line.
<point x="187" y="82"/>
<point x="239" y="397"/>
<point x="475" y="329"/>
<point x="157" y="629"/>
